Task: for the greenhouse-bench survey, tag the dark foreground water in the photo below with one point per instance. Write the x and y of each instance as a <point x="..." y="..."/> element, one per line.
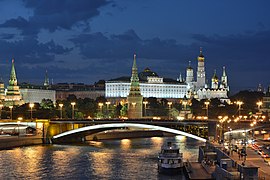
<point x="111" y="159"/>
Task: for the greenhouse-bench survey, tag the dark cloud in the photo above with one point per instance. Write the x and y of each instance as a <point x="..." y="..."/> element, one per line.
<point x="7" y="36"/>
<point x="247" y="51"/>
<point x="52" y="15"/>
<point x="30" y="51"/>
<point x="124" y="45"/>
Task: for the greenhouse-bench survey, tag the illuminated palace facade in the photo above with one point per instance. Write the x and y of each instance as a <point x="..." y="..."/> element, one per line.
<point x="151" y="85"/>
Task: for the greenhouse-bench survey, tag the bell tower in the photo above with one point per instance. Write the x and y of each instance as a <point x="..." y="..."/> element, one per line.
<point x="200" y="71"/>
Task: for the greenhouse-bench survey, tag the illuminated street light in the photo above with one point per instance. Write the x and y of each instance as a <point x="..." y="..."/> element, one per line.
<point x="259" y="104"/>
<point x="239" y="103"/>
<point x="10" y="108"/>
<point x="100" y="106"/>
<point x="170" y="105"/>
<point x="61" y="110"/>
<point x="73" y="104"/>
<point x="145" y="103"/>
<point x="31" y="105"/>
<point x="107" y="107"/>
<point x="207" y="105"/>
<point x="184" y="103"/>
<point x="1" y="106"/>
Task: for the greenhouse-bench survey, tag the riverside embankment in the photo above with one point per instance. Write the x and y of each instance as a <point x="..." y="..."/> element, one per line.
<point x="7" y="142"/>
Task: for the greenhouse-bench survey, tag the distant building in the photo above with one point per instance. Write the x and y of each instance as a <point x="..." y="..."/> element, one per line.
<point x="37" y="95"/>
<point x="80" y="90"/>
<point x="266" y="103"/>
<point x="151" y="85"/>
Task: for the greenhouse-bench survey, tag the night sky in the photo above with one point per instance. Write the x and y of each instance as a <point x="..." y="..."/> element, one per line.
<point x="88" y="40"/>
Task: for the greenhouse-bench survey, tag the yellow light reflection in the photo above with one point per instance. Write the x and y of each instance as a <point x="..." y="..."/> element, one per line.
<point x="125" y="144"/>
<point x="101" y="161"/>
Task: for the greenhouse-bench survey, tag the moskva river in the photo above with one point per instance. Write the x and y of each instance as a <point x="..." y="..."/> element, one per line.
<point x="111" y="159"/>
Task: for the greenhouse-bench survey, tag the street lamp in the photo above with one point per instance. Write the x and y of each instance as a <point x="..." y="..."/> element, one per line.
<point x="1" y="106"/>
<point x="31" y="105"/>
<point x="61" y="110"/>
<point x="72" y="104"/>
<point x="10" y="108"/>
<point x="145" y="103"/>
<point x="170" y="105"/>
<point x="259" y="104"/>
<point x="184" y="103"/>
<point x="100" y="106"/>
<point x="107" y="107"/>
<point x="239" y="103"/>
<point x="207" y="105"/>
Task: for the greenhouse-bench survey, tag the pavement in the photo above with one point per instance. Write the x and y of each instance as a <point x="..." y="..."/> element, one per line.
<point x="254" y="159"/>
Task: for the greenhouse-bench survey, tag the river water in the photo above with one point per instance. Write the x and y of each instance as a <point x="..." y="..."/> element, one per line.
<point x="111" y="159"/>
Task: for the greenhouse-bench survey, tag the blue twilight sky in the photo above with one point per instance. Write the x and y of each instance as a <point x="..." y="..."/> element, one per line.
<point x="88" y="40"/>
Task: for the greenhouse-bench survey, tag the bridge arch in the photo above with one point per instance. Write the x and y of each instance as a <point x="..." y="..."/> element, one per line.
<point x="103" y="127"/>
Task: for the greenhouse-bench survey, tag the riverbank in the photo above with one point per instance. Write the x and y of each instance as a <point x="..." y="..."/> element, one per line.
<point x="8" y="142"/>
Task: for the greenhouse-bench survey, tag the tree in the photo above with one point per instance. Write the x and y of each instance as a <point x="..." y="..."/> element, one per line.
<point x="47" y="104"/>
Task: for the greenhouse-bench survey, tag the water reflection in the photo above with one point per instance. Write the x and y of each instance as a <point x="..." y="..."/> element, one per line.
<point x="116" y="159"/>
<point x="125" y="144"/>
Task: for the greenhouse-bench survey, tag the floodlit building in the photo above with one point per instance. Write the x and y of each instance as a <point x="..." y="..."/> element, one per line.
<point x="151" y="85"/>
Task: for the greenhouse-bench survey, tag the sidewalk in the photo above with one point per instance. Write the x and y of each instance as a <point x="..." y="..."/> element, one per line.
<point x="253" y="159"/>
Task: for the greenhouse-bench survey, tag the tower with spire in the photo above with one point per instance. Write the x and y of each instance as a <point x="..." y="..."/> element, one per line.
<point x="134" y="97"/>
<point x="200" y="71"/>
<point x="224" y="80"/>
<point x="13" y="95"/>
<point x="189" y="73"/>
<point x="46" y="81"/>
<point x="214" y="84"/>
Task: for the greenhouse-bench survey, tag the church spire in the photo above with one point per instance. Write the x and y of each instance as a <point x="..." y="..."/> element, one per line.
<point x="224" y="71"/>
<point x="46" y="82"/>
<point x="13" y="79"/>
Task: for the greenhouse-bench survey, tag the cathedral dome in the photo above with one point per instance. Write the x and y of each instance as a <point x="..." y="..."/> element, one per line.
<point x="147" y="72"/>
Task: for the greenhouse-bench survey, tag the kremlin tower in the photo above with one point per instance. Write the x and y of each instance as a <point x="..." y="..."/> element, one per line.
<point x="13" y="95"/>
<point x="134" y="97"/>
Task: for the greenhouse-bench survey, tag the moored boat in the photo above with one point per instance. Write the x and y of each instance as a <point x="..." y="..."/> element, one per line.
<point x="170" y="159"/>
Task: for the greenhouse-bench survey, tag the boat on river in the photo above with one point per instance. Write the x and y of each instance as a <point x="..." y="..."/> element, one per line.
<point x="170" y="159"/>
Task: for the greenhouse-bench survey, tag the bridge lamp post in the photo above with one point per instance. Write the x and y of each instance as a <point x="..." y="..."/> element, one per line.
<point x="61" y="110"/>
<point x="10" y="109"/>
<point x="239" y="103"/>
<point x="73" y="104"/>
<point x="31" y="105"/>
<point x="170" y="105"/>
<point x="18" y="124"/>
<point x="107" y="107"/>
<point x="1" y="106"/>
<point x="145" y="103"/>
<point x="206" y="107"/>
